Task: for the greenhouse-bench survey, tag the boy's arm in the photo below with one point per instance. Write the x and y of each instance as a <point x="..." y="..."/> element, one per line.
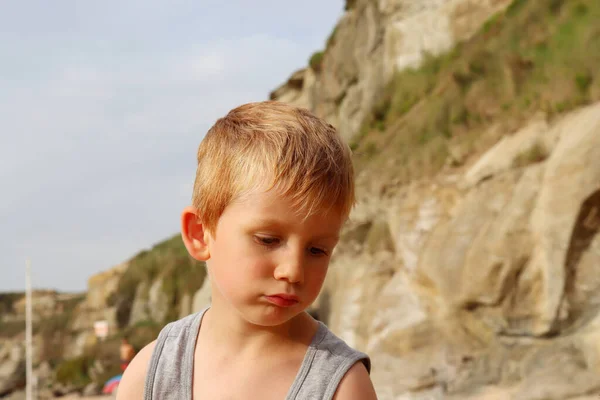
<point x="356" y="385"/>
<point x="134" y="378"/>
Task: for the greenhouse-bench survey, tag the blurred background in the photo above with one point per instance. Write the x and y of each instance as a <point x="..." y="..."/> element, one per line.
<point x="470" y="268"/>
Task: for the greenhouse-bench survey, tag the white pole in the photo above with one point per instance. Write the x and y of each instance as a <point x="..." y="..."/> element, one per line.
<point x="28" y="341"/>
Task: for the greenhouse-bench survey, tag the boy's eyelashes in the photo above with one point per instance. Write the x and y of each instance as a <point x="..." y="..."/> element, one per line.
<point x="267" y="240"/>
<point x="270" y="242"/>
<point x="315" y="251"/>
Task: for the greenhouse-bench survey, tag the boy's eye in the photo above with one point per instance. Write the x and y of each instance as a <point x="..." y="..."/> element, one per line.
<point x="267" y="241"/>
<point x="315" y="251"/>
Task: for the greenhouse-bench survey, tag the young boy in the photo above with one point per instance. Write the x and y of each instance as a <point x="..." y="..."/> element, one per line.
<point x="274" y="185"/>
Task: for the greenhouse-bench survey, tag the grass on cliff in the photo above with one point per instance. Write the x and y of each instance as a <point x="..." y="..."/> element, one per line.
<point x="535" y="56"/>
<point x="101" y="362"/>
<point x="53" y="329"/>
<point x="74" y="372"/>
<point x="48" y="325"/>
<point x="169" y="261"/>
<point x="316" y="61"/>
<point x="7" y="301"/>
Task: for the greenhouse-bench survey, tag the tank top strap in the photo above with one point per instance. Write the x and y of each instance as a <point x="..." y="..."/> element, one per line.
<point x="327" y="360"/>
<point x="171" y="367"/>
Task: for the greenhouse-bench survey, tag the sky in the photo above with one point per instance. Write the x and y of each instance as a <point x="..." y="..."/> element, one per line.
<point x="102" y="107"/>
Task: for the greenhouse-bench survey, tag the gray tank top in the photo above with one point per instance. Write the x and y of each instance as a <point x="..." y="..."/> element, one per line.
<point x="170" y="369"/>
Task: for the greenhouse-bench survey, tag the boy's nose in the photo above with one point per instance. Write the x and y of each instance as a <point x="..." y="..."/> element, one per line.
<point x="290" y="270"/>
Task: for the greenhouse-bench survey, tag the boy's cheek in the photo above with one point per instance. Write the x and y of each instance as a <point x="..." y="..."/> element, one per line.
<point x="317" y="278"/>
<point x="255" y="267"/>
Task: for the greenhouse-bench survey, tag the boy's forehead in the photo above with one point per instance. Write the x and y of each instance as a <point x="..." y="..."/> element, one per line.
<point x="269" y="201"/>
<point x="270" y="208"/>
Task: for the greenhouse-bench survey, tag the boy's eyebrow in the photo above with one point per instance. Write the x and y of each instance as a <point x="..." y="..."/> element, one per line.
<point x="334" y="235"/>
<point x="267" y="221"/>
<point x="277" y="223"/>
<point x="329" y="236"/>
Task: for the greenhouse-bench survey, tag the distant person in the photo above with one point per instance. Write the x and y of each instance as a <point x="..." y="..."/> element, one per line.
<point x="274" y="186"/>
<point x="127" y="352"/>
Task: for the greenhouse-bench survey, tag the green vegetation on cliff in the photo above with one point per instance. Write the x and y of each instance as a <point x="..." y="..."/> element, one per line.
<point x="7" y="301"/>
<point x="55" y="338"/>
<point x="9" y="328"/>
<point x="168" y="260"/>
<point x="316" y="61"/>
<point x="536" y="56"/>
<point x="101" y="362"/>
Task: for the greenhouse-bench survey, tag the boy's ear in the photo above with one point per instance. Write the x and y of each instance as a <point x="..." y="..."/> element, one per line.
<point x="194" y="235"/>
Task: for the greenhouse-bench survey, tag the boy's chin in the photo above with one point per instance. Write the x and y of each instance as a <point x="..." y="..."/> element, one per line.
<point x="272" y="316"/>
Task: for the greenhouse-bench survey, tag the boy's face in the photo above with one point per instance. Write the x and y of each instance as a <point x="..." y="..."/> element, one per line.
<point x="267" y="262"/>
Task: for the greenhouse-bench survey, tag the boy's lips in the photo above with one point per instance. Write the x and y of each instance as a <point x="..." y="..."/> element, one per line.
<point x="283" y="299"/>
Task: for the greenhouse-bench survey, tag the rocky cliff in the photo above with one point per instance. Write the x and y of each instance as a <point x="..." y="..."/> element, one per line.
<point x="481" y="281"/>
<point x="372" y="41"/>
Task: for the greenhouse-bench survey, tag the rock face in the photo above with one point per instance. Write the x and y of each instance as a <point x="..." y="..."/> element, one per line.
<point x="94" y="308"/>
<point x="485" y="285"/>
<point x="371" y="41"/>
<point x="150" y="303"/>
<point x="12" y="366"/>
<point x="44" y="304"/>
<point x="101" y="286"/>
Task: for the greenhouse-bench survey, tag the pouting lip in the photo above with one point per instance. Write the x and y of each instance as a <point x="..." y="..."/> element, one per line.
<point x="285" y="296"/>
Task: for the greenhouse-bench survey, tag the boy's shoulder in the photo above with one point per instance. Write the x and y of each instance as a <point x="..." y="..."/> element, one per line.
<point x="331" y="367"/>
<point x="135" y="378"/>
<point x="332" y="347"/>
<point x="132" y="383"/>
<point x="145" y="374"/>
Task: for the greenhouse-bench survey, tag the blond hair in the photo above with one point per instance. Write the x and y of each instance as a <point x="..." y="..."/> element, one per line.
<point x="271" y="144"/>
